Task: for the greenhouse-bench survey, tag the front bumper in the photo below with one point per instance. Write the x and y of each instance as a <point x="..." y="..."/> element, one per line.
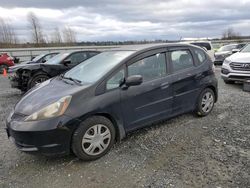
<point x="227" y="73"/>
<point x="14" y="80"/>
<point x="48" y="137"/>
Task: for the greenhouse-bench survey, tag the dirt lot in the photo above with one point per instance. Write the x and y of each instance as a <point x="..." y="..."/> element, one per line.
<point x="182" y="152"/>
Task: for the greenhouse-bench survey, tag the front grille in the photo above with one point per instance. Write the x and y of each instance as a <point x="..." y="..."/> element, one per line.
<point x="240" y="66"/>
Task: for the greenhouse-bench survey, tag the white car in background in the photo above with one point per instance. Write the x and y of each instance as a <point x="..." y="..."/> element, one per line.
<point x="237" y="66"/>
<point x="207" y="45"/>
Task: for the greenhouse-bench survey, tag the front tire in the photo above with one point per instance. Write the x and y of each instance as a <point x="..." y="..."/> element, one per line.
<point x="205" y="102"/>
<point x="37" y="79"/>
<point x="93" y="138"/>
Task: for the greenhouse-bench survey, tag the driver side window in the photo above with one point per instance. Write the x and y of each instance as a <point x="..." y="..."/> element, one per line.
<point x="115" y="80"/>
<point x="77" y="58"/>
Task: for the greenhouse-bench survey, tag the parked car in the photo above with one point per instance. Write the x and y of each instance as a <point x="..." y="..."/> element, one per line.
<point x="207" y="45"/>
<point x="102" y="99"/>
<point x="6" y="61"/>
<point x="29" y="75"/>
<point x="226" y="51"/>
<point x="237" y="66"/>
<point x="38" y="59"/>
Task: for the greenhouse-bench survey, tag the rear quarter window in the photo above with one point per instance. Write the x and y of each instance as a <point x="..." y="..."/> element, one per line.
<point x="200" y="55"/>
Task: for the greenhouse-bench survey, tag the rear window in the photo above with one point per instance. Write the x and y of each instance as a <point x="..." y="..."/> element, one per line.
<point x="203" y="45"/>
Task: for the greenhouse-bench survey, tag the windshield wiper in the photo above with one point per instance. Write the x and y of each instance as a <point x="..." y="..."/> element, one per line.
<point x="72" y="79"/>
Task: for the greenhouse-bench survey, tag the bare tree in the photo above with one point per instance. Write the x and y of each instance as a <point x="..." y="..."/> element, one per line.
<point x="230" y="34"/>
<point x="36" y="29"/>
<point x="69" y="35"/>
<point x="56" y="36"/>
<point x="7" y="34"/>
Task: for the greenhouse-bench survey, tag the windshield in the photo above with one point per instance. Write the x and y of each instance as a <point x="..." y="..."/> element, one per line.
<point x="57" y="59"/>
<point x="38" y="57"/>
<point x="246" y="49"/>
<point x="94" y="68"/>
<point x="227" y="48"/>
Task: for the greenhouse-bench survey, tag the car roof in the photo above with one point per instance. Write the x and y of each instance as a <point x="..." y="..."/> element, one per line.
<point x="149" y="46"/>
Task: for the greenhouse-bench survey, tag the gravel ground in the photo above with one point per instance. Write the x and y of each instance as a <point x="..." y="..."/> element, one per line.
<point x="185" y="151"/>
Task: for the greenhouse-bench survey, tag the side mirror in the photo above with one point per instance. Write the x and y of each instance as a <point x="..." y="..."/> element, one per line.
<point x="66" y="62"/>
<point x="133" y="80"/>
<point x="43" y="61"/>
<point x="235" y="50"/>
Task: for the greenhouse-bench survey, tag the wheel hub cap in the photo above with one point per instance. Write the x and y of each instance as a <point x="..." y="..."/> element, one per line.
<point x="96" y="139"/>
<point x="207" y="102"/>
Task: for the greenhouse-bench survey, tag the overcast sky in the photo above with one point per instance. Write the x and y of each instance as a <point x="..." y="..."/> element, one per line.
<point x="131" y="19"/>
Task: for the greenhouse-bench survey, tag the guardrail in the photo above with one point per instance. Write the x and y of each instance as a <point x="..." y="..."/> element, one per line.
<point x="26" y="54"/>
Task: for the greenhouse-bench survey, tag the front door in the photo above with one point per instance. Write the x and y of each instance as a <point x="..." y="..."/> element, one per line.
<point x="152" y="100"/>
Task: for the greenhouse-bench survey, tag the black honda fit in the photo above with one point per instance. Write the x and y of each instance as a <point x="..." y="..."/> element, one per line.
<point x="102" y="99"/>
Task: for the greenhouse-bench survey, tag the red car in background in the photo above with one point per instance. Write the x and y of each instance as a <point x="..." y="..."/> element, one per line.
<point x="6" y="61"/>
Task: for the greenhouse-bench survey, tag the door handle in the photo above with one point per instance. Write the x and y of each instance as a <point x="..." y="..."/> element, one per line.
<point x="198" y="76"/>
<point x="164" y="85"/>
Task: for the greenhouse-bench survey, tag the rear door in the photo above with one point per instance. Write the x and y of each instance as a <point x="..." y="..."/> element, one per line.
<point x="184" y="74"/>
<point x="152" y="100"/>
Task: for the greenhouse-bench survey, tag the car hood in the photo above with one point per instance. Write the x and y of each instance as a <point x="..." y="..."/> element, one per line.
<point x="46" y="93"/>
<point x="21" y="65"/>
<point x="223" y="53"/>
<point x="242" y="57"/>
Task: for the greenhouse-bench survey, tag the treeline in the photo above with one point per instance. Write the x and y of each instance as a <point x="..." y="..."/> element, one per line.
<point x="38" y="37"/>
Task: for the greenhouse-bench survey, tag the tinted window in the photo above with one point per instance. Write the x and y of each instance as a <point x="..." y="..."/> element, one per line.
<point x="149" y="68"/>
<point x="77" y="57"/>
<point x="246" y="48"/>
<point x="240" y="46"/>
<point x="91" y="54"/>
<point x="181" y="59"/>
<point x="49" y="56"/>
<point x="201" y="56"/>
<point x="114" y="81"/>
<point x="203" y="45"/>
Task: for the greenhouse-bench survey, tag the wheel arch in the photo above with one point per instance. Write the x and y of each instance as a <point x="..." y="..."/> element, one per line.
<point x="213" y="88"/>
<point x="119" y="129"/>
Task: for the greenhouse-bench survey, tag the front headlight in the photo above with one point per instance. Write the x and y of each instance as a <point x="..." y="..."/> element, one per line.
<point x="226" y="61"/>
<point x="53" y="110"/>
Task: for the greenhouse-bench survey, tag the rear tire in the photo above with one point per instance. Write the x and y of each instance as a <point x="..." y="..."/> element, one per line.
<point x="205" y="102"/>
<point x="228" y="82"/>
<point x="37" y="79"/>
<point x="93" y="138"/>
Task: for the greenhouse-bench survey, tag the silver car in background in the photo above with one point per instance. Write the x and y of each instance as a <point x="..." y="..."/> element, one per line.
<point x="237" y="66"/>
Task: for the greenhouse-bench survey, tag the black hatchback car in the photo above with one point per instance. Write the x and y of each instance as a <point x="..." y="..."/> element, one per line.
<point x="115" y="92"/>
<point x="28" y="75"/>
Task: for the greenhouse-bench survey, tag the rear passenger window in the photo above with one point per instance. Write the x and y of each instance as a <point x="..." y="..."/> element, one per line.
<point x="201" y="56"/>
<point x="149" y="68"/>
<point x="181" y="59"/>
